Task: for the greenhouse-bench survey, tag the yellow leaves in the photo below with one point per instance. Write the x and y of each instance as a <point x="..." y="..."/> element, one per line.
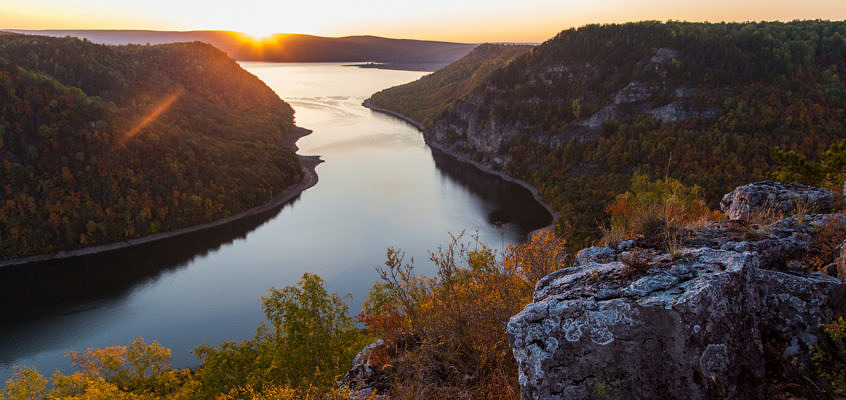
<point x="457" y="319"/>
<point x="541" y="255"/>
<point x="26" y="384"/>
<point x="135" y="372"/>
<point x="274" y="392"/>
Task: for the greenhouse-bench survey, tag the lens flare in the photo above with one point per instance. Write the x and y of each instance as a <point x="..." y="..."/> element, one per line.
<point x="155" y="111"/>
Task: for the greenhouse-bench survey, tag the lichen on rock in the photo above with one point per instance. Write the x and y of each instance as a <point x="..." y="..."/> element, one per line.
<point x="707" y="323"/>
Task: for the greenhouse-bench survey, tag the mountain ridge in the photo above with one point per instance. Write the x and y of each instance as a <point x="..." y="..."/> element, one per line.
<point x="711" y="104"/>
<point x="412" y="54"/>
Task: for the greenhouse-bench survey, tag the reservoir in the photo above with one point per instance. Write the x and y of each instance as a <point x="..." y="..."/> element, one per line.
<point x="379" y="186"/>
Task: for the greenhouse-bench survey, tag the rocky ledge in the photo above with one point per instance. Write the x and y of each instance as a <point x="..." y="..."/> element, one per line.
<point x="737" y="307"/>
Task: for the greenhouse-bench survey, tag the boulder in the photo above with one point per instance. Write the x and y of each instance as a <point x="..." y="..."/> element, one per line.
<point x="776" y="200"/>
<point x="729" y="313"/>
<point x="367" y="376"/>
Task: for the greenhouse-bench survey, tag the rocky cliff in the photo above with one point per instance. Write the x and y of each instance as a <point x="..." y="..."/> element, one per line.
<point x="471" y="127"/>
<point x="736" y="308"/>
<point x="577" y="116"/>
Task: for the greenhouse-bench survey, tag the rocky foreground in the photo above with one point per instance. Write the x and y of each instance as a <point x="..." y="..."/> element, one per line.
<point x="737" y="306"/>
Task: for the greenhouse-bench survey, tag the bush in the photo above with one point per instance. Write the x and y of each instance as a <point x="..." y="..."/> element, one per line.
<point x="139" y="371"/>
<point x="829" y="172"/>
<point x="448" y="333"/>
<point x="310" y="342"/>
<point x="657" y="212"/>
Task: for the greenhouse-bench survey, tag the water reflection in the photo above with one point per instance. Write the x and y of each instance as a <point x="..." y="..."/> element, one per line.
<point x="507" y="202"/>
<point x="81" y="283"/>
<point x="380" y="186"/>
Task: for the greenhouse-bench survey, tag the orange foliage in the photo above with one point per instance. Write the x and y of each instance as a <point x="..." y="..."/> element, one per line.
<point x="446" y="335"/>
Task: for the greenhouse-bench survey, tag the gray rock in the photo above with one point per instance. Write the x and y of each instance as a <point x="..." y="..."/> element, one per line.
<point x="703" y="325"/>
<point x="634" y="92"/>
<point x="598" y="254"/>
<point x="665" y="54"/>
<point x="775" y="198"/>
<point x="841" y="262"/>
<point x="680" y="110"/>
<point x="365" y="377"/>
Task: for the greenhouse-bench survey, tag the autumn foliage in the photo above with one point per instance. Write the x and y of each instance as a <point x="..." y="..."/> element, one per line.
<point x="447" y="333"/>
<point x="139" y="371"/>
<point x="101" y="144"/>
<point x="656" y="211"/>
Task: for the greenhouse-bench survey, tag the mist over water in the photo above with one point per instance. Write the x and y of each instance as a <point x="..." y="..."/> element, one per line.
<point x="380" y="186"/>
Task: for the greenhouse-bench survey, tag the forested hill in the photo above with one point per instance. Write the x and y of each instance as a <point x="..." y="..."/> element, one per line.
<point x="715" y="105"/>
<point x="101" y="144"/>
<point x="425" y="99"/>
<point x="423" y="55"/>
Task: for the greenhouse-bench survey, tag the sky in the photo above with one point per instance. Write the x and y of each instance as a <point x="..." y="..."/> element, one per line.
<point x="450" y="20"/>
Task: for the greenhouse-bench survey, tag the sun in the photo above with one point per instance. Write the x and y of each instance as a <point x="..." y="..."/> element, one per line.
<point x="259" y="34"/>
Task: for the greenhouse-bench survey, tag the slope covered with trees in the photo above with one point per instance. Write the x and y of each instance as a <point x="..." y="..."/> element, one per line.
<point x="711" y="105"/>
<point x="425" y="99"/>
<point x="101" y="144"/>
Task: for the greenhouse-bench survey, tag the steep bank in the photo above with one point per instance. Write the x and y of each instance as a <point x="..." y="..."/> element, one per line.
<point x="310" y="178"/>
<point x="461" y="157"/>
<point x="577" y="116"/>
<point x="103" y="144"/>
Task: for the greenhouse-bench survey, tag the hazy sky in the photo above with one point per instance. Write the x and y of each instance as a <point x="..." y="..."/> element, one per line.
<point x="455" y="20"/>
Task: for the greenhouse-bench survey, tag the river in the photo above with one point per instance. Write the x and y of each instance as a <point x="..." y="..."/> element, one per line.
<point x="380" y="186"/>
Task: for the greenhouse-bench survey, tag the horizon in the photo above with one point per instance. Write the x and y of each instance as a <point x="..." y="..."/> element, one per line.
<point x="469" y="22"/>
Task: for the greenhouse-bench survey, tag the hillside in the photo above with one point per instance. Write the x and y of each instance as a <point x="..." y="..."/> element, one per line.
<point x="390" y="53"/>
<point x="425" y="99"/>
<point x="101" y="144"/>
<point x="709" y="104"/>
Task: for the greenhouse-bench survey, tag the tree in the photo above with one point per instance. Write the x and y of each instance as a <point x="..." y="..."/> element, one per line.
<point x="310" y="341"/>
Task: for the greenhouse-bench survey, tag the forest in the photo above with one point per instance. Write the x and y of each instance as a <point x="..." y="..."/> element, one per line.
<point x="100" y="144"/>
<point x="713" y="105"/>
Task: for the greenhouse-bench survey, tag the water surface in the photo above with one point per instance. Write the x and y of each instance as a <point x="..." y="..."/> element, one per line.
<point x="380" y="186"/>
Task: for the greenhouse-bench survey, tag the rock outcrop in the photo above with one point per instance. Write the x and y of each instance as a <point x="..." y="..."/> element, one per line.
<point x="776" y="198"/>
<point x="725" y="316"/>
<point x="472" y="128"/>
<point x="367" y="376"/>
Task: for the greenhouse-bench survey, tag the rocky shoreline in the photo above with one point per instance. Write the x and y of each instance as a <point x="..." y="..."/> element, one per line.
<point x="310" y="178"/>
<point x="482" y="167"/>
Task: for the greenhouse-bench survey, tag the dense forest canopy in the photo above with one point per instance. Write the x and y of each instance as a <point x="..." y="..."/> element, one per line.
<point x="101" y="143"/>
<point x="425" y="99"/>
<point x="708" y="104"/>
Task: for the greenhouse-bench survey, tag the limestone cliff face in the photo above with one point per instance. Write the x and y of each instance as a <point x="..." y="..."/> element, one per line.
<point x="722" y="318"/>
<point x="472" y="128"/>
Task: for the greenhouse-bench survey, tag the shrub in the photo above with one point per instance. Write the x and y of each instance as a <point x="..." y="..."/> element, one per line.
<point x="657" y="212"/>
<point x="829" y="172"/>
<point x="449" y="332"/>
<point x="311" y="341"/>
<point x="272" y="392"/>
<point x="826" y="246"/>
<point x="139" y="371"/>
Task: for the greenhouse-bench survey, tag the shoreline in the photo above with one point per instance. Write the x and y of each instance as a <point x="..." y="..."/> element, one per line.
<point x="482" y="167"/>
<point x="310" y="178"/>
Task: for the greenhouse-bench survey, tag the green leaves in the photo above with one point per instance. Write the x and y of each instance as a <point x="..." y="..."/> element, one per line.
<point x="309" y="340"/>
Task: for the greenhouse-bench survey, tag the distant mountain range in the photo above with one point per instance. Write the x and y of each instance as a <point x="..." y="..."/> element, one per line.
<point x="384" y="52"/>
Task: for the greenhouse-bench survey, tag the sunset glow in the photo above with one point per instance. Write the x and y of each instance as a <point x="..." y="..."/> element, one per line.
<point x="467" y="21"/>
